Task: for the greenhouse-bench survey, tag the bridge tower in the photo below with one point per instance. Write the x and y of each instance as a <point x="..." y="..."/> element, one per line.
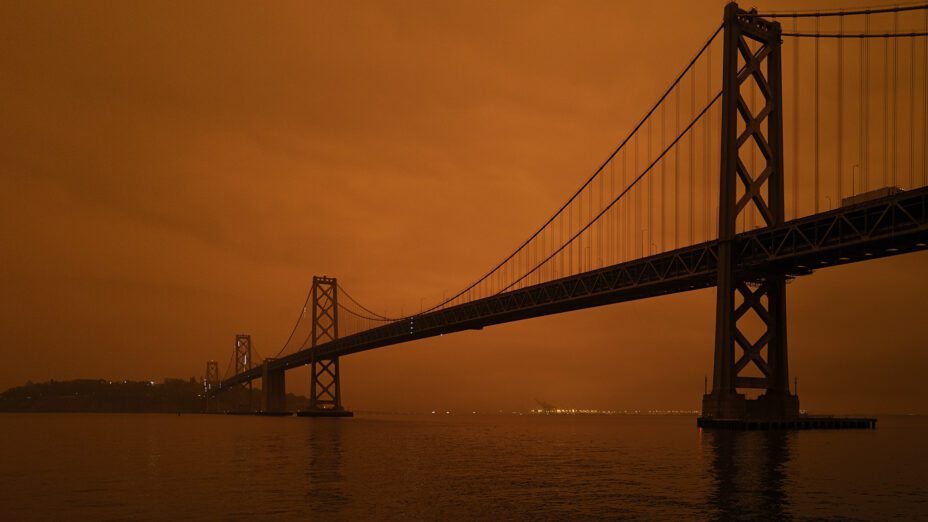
<point x="325" y="397"/>
<point x="210" y="382"/>
<point x="742" y="294"/>
<point x="243" y="363"/>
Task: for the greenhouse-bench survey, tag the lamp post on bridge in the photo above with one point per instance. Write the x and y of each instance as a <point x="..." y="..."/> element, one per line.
<point x="854" y="180"/>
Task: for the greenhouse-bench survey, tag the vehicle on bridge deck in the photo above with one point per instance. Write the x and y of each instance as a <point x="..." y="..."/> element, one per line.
<point x="870" y="195"/>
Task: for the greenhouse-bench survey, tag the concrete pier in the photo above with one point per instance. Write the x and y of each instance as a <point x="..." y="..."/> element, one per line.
<point x="273" y="390"/>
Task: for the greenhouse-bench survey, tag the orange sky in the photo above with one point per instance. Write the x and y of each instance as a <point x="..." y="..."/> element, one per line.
<point x="173" y="174"/>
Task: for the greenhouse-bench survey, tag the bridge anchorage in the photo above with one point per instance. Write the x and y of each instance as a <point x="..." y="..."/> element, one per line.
<point x="614" y="241"/>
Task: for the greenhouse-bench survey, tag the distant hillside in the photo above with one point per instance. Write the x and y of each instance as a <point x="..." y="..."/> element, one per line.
<point x="88" y="395"/>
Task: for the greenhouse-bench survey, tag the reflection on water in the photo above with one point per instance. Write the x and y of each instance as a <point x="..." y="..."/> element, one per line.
<point x="748" y="473"/>
<point x="325" y="480"/>
<point x="217" y="467"/>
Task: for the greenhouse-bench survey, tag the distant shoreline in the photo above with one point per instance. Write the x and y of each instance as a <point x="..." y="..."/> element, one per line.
<point x="171" y="396"/>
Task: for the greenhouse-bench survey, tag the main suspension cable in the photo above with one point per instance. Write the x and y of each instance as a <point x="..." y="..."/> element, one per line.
<point x="375" y="315"/>
<point x="226" y="374"/>
<point x="590" y="179"/>
<point x="621" y="194"/>
<point x="855" y="35"/>
<point x="858" y="12"/>
<point x="297" y="324"/>
<point x="362" y="316"/>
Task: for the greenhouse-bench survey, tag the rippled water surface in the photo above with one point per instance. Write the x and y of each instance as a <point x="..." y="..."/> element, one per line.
<point x="217" y="467"/>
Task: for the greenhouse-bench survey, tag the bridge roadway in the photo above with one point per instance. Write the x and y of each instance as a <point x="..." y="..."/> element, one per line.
<point x="890" y="226"/>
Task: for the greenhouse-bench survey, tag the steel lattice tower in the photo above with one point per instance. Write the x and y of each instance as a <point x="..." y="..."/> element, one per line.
<point x="325" y="387"/>
<point x="243" y="361"/>
<point x="211" y="380"/>
<point x="741" y="293"/>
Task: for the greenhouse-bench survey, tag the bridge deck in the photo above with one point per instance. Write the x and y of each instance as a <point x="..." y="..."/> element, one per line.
<point x="870" y="230"/>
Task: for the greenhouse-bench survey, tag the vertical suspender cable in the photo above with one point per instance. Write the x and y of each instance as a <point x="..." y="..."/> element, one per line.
<point x="610" y="232"/>
<point x="796" y="97"/>
<point x="549" y="244"/>
<point x="626" y="209"/>
<point x="815" y="103"/>
<point x="676" y="176"/>
<point x="663" y="172"/>
<point x="708" y="142"/>
<point x="526" y="261"/>
<point x="560" y="241"/>
<point x="531" y="257"/>
<point x="650" y="193"/>
<point x="911" y="179"/>
<point x="537" y="252"/>
<point x="581" y="248"/>
<point x="840" y="114"/>
<point x="576" y="260"/>
<point x="885" y="111"/>
<point x="619" y="235"/>
<point x="592" y="234"/>
<point x="570" y="249"/>
<point x="508" y="269"/>
<point x="861" y="117"/>
<point x="545" y="241"/>
<point x="578" y="244"/>
<point x="498" y="279"/>
<point x="637" y="222"/>
<point x="865" y="167"/>
<point x="515" y="266"/>
<point x="601" y="224"/>
<point x="692" y="152"/>
<point x="618" y="232"/>
<point x="895" y="94"/>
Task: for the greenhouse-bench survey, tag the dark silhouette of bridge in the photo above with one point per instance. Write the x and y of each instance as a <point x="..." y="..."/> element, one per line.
<point x="655" y="219"/>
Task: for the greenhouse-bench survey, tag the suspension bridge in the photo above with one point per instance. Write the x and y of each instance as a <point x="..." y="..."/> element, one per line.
<point x="806" y="149"/>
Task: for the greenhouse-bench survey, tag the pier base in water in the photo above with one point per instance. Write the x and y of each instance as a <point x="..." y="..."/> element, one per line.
<point x="325" y="413"/>
<point x="799" y="423"/>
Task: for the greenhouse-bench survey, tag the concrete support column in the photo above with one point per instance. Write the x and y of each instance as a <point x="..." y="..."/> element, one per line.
<point x="273" y="389"/>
